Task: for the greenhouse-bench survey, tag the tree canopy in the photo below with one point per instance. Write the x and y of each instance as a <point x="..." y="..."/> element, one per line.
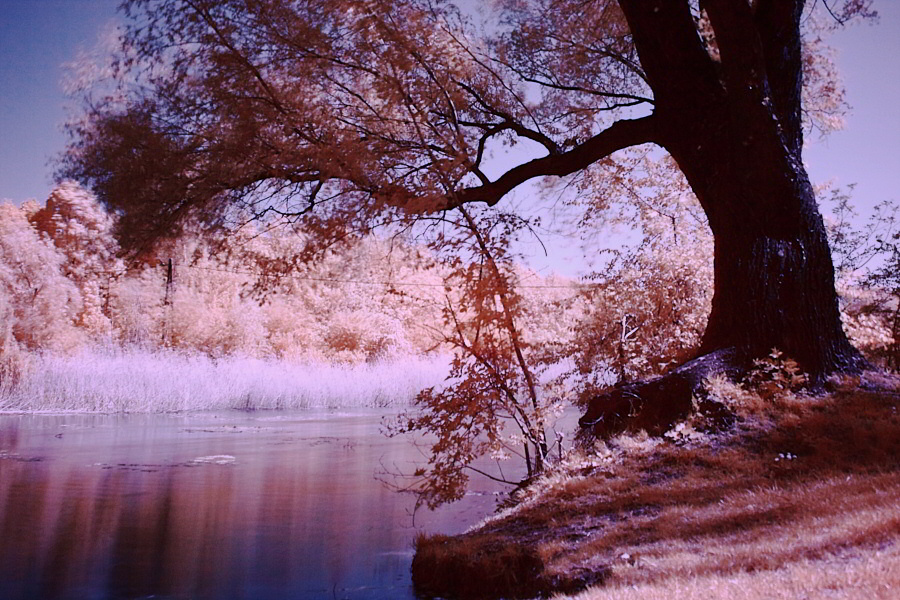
<point x="350" y="114"/>
<point x="360" y="109"/>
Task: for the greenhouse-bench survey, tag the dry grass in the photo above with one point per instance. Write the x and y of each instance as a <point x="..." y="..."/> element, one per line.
<point x="491" y="569"/>
<point x="873" y="574"/>
<point x="800" y="500"/>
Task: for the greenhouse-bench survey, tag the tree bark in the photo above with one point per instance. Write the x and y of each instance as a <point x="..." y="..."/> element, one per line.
<point x="733" y="125"/>
<point x="774" y="277"/>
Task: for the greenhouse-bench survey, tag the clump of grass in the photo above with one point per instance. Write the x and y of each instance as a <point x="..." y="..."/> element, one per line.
<point x="801" y="484"/>
<point x="140" y="381"/>
<point x="493" y="569"/>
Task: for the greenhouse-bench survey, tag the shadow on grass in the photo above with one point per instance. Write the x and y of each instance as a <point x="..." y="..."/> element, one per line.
<point x="805" y="479"/>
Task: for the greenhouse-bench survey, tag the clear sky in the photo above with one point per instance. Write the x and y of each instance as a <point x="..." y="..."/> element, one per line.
<point x="38" y="36"/>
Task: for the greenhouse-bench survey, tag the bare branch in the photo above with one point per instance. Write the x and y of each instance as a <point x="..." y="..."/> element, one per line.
<point x="622" y="134"/>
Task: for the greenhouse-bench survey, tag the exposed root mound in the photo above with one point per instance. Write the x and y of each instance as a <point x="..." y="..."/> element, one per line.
<point x="484" y="567"/>
<point x="655" y="405"/>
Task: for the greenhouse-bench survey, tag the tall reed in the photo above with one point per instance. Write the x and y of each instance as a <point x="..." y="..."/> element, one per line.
<point x="142" y="381"/>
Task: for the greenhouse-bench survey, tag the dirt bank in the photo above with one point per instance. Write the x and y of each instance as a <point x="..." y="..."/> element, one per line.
<point x="801" y="498"/>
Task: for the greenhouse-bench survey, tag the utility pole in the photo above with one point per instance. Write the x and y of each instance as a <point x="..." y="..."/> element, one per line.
<point x="106" y="298"/>
<point x="167" y="300"/>
<point x="170" y="284"/>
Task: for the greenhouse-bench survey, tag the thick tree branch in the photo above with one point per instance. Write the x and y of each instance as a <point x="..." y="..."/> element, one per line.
<point x="778" y="23"/>
<point x="620" y="135"/>
<point x="492" y="130"/>
<point x="739" y="46"/>
<point x="671" y="52"/>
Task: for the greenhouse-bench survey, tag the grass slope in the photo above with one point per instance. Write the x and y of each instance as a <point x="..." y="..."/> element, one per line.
<point x="800" y="499"/>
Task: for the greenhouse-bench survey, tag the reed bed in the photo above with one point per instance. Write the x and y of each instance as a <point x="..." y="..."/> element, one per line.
<point x="153" y="382"/>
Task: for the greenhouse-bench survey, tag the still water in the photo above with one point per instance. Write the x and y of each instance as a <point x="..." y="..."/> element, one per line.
<point x="213" y="505"/>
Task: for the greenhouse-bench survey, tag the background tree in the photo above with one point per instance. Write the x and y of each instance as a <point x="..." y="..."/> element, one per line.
<point x="350" y="114"/>
<point x="38" y="304"/>
<point x="82" y="230"/>
<point x="868" y="267"/>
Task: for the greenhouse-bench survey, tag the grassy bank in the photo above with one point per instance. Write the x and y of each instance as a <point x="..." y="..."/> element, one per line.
<point x="800" y="499"/>
<point x="136" y="381"/>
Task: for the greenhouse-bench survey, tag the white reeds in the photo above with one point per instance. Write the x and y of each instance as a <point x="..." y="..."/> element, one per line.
<point x="141" y="381"/>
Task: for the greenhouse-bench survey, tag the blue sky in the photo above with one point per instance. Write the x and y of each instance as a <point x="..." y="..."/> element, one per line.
<point x="38" y="36"/>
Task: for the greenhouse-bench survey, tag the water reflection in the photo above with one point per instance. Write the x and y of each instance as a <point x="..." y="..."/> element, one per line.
<point x="212" y="506"/>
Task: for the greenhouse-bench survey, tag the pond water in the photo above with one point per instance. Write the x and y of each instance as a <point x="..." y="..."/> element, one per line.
<point x="211" y="505"/>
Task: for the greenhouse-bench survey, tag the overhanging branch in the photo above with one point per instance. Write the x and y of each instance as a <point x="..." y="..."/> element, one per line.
<point x="622" y="134"/>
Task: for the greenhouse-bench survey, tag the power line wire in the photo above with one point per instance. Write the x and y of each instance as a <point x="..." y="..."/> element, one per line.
<point x="574" y="285"/>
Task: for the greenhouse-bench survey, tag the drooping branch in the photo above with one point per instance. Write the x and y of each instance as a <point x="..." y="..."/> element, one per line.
<point x="622" y="134"/>
<point x="513" y="332"/>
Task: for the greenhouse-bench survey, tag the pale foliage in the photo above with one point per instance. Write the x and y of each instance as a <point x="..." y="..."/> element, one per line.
<point x="81" y="230"/>
<point x="869" y="316"/>
<point x="41" y="302"/>
<point x="136" y="308"/>
<point x="867" y="265"/>
<point x="207" y="340"/>
<point x="646" y="307"/>
<point x="248" y="296"/>
<point x="13" y="359"/>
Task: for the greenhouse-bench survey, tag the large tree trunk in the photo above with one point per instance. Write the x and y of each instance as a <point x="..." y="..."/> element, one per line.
<point x="774" y="277"/>
<point x="733" y="126"/>
<point x="774" y="284"/>
<point x="731" y="118"/>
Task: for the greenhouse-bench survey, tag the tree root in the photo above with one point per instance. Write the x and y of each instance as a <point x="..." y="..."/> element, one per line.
<point x="657" y="404"/>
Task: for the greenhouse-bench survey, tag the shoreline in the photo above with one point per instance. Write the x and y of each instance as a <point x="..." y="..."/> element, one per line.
<point x="801" y="486"/>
